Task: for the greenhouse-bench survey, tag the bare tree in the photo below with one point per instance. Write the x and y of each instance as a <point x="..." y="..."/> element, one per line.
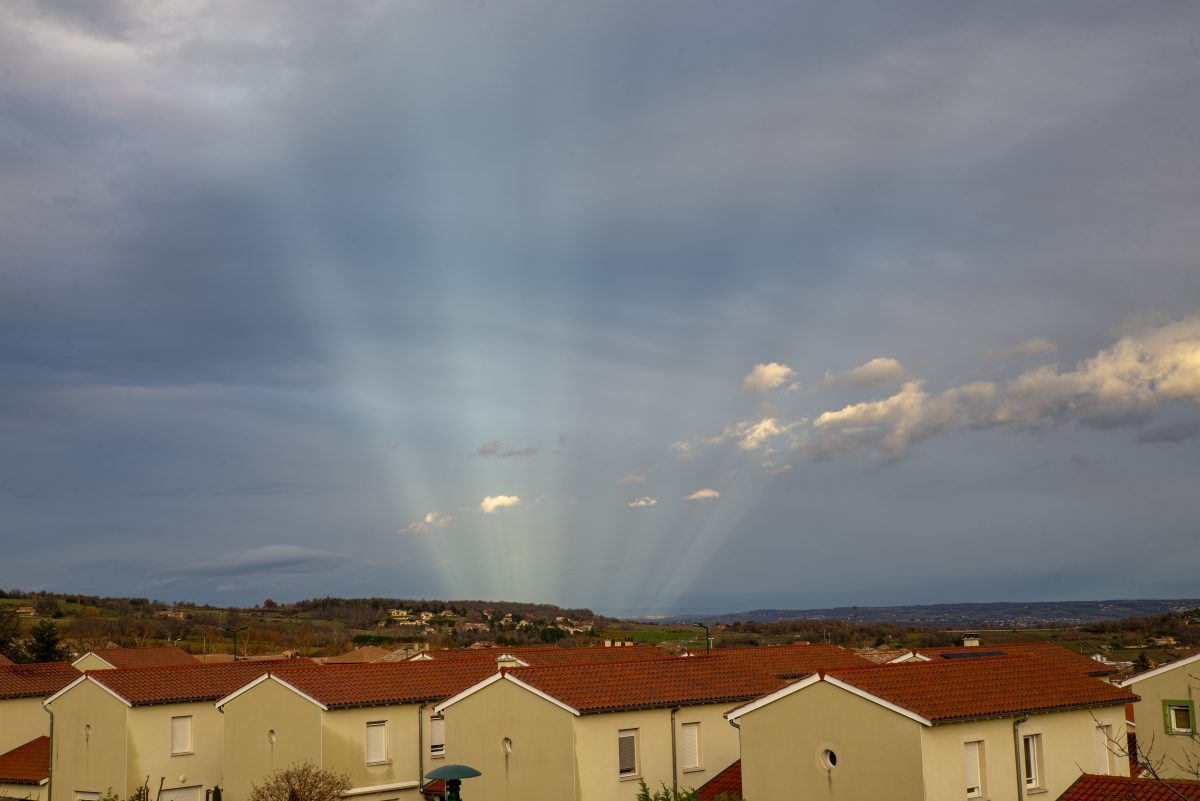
<point x="301" y="782"/>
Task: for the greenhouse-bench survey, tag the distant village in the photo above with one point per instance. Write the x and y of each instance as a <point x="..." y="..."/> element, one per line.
<point x="423" y="715"/>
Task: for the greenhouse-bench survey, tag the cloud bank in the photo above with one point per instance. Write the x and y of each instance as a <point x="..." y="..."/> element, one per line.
<point x="765" y="377"/>
<point x="493" y="502"/>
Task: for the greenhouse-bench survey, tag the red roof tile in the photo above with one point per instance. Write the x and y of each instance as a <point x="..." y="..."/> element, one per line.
<point x="173" y="684"/>
<point x="792" y="661"/>
<point x="4" y="660"/>
<point x="150" y="656"/>
<point x="1047" y="650"/>
<point x="382" y="683"/>
<point x="728" y="783"/>
<point x="548" y="654"/>
<point x="38" y="680"/>
<point x="956" y="689"/>
<point x="26" y="764"/>
<point x="1121" y="788"/>
<point x="646" y="684"/>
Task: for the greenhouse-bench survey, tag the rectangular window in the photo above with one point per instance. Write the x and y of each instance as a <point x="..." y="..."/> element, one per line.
<point x="1031" y="747"/>
<point x="691" y="746"/>
<point x="86" y="795"/>
<point x="627" y="752"/>
<point x="376" y="743"/>
<point x="437" y="736"/>
<point x="1103" y="748"/>
<point x="181" y="735"/>
<point x="973" y="768"/>
<point x="1180" y="717"/>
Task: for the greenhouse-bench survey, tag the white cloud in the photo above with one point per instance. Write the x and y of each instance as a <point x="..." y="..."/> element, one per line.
<point x="493" y="502"/>
<point x="633" y="478"/>
<point x="876" y="372"/>
<point x="766" y="377"/>
<point x="1037" y="346"/>
<point x="641" y="503"/>
<point x="703" y="495"/>
<point x="431" y="520"/>
<point x="1116" y="386"/>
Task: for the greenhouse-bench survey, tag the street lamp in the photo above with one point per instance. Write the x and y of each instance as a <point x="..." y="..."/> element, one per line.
<point x="234" y="632"/>
<point x="453" y="774"/>
<point x="707" y="639"/>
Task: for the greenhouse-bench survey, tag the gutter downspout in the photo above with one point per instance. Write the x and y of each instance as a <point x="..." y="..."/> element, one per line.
<point x="50" y="767"/>
<point x="1017" y="755"/>
<point x="674" y="756"/>
<point x="421" y="747"/>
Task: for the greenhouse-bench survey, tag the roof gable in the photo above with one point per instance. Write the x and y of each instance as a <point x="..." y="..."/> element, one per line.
<point x="176" y="684"/>
<point x="27" y="764"/>
<point x="149" y="656"/>
<point x="1161" y="669"/>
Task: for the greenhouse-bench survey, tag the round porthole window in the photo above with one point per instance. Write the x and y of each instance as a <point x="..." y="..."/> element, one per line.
<point x="506" y="746"/>
<point x="829" y="759"/>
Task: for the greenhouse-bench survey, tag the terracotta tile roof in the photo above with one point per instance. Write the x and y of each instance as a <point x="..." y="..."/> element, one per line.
<point x="4" y="660"/>
<point x="728" y="783"/>
<point x="174" y="684"/>
<point x="882" y="657"/>
<point x="648" y="684"/>
<point x="382" y="683"/>
<point x="366" y="653"/>
<point x="792" y="661"/>
<point x="956" y="689"/>
<point x="1047" y="650"/>
<point x="150" y="656"/>
<point x="1121" y="788"/>
<point x="548" y="654"/>
<point x="26" y="764"/>
<point x="39" y="680"/>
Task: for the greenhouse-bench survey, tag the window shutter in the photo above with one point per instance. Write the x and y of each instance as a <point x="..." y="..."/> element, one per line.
<point x="691" y="745"/>
<point x="1101" y="750"/>
<point x="627" y="751"/>
<point x="437" y="736"/>
<point x="376" y="743"/>
<point x="181" y="735"/>
<point x="971" y="769"/>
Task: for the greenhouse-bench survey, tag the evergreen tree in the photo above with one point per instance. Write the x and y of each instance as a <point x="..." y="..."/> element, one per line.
<point x="45" y="643"/>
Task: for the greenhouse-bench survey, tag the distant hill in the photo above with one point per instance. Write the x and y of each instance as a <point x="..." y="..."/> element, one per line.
<point x="983" y="615"/>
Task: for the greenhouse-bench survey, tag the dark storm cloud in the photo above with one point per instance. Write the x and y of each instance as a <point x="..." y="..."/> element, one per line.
<point x="246" y="244"/>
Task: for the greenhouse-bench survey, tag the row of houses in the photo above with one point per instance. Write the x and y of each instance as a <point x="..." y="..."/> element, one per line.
<point x="591" y="724"/>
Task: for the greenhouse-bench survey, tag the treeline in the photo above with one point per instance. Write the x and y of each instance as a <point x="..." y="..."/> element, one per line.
<point x="840" y="632"/>
<point x="1183" y="626"/>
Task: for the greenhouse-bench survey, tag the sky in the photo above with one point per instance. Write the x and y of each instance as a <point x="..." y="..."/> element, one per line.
<point x="652" y="308"/>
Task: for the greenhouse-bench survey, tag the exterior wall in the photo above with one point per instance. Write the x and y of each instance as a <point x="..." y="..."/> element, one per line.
<point x="150" y="747"/>
<point x="1173" y="750"/>
<point x="344" y="748"/>
<point x="250" y="754"/>
<point x="22" y="720"/>
<point x="878" y="751"/>
<point x="1067" y="747"/>
<point x="541" y="766"/>
<point x="91" y="662"/>
<point x="596" y="743"/>
<point x="33" y="792"/>
<point x="88" y="759"/>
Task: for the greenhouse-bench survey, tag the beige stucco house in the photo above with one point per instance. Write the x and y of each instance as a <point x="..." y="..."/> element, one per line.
<point x="372" y="721"/>
<point x="592" y="732"/>
<point x="1007" y="728"/>
<point x="120" y="728"/>
<point x="1165" y="717"/>
<point x="22" y="690"/>
<point x="121" y="658"/>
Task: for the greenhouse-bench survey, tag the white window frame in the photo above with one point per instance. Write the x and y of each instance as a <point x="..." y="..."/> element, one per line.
<point x="1031" y="761"/>
<point x="87" y="795"/>
<point x="380" y="728"/>
<point x="437" y="750"/>
<point x="974" y="747"/>
<point x="694" y="728"/>
<point x="1171" y="727"/>
<point x="635" y="771"/>
<point x="188" y="747"/>
<point x="1103" y="735"/>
